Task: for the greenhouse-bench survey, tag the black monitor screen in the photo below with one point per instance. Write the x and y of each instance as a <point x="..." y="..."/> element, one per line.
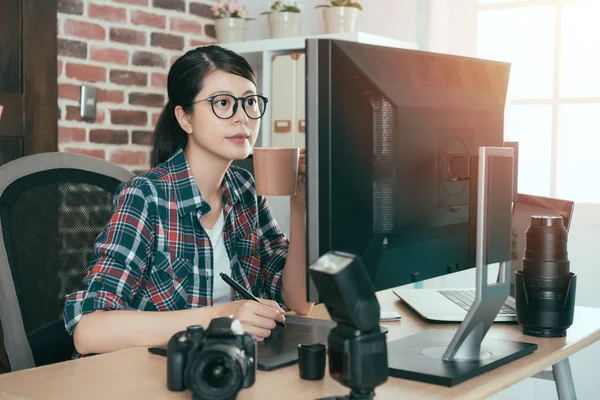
<point x="389" y="136"/>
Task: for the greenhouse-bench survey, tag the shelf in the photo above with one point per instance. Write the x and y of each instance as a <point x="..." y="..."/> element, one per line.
<point x="298" y="42"/>
<point x="259" y="54"/>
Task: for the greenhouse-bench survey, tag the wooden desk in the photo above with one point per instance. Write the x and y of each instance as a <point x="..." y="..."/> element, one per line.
<point x="137" y="374"/>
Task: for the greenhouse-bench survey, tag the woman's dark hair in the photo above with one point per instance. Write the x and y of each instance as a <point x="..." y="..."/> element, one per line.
<point x="185" y="81"/>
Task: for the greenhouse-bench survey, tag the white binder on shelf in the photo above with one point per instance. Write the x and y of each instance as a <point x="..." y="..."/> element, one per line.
<point x="288" y="119"/>
<point x="283" y="103"/>
<point x="300" y="137"/>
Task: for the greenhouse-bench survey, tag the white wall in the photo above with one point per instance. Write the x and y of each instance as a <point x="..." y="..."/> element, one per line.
<point x="391" y="18"/>
<point x="453" y="27"/>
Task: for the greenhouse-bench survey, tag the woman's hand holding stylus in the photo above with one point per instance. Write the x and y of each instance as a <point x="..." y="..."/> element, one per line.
<point x="256" y="318"/>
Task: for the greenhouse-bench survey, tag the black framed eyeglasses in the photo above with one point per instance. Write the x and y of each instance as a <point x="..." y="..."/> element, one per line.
<point x="225" y="106"/>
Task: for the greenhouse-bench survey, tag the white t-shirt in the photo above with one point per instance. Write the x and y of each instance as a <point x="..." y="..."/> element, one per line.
<point x="221" y="290"/>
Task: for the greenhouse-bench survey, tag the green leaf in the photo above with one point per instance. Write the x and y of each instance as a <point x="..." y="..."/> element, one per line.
<point x="275" y="5"/>
<point x="341" y="3"/>
<point x="293" y="9"/>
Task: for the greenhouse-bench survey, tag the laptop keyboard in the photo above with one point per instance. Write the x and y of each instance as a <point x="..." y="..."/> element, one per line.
<point x="465" y="299"/>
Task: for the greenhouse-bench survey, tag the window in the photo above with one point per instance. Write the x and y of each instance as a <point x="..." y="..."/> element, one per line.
<point x="553" y="107"/>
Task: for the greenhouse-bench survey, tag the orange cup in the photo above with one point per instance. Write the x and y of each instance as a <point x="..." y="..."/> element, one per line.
<point x="276" y="170"/>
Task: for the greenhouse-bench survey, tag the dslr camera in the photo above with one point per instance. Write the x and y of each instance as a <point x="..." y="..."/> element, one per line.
<point x="214" y="363"/>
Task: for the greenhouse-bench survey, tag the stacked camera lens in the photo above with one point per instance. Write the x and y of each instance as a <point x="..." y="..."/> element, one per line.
<point x="545" y="292"/>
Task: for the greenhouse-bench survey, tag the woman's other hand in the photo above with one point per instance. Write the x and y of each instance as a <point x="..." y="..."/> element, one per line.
<point x="300" y="196"/>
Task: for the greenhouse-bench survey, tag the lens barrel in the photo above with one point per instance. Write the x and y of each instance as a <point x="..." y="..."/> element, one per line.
<point x="546" y="255"/>
<point x="216" y="373"/>
<point x="545" y="287"/>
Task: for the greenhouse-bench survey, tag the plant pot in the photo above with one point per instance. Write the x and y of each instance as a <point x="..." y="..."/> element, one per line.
<point x="340" y="19"/>
<point x="230" y="29"/>
<point x="284" y="24"/>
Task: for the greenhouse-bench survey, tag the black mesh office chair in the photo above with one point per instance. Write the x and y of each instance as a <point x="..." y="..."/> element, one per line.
<point x="52" y="208"/>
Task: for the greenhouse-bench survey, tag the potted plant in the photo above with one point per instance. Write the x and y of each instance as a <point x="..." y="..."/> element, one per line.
<point x="285" y="19"/>
<point x="340" y="15"/>
<point x="231" y="21"/>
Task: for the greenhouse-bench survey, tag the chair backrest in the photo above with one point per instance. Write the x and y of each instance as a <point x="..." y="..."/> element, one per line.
<point x="52" y="208"/>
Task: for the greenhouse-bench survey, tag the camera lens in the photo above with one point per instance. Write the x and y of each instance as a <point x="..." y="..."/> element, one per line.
<point x="546" y="249"/>
<point x="545" y="288"/>
<point x="217" y="373"/>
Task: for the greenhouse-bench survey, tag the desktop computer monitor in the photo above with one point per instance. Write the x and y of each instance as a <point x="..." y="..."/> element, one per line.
<point x="392" y="138"/>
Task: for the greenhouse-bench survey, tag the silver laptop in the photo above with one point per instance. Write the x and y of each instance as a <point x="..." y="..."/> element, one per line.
<point x="452" y="305"/>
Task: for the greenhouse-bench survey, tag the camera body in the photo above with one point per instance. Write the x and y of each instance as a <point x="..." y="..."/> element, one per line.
<point x="214" y="363"/>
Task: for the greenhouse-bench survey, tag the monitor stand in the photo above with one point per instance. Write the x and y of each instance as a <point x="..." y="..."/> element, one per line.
<point x="448" y="357"/>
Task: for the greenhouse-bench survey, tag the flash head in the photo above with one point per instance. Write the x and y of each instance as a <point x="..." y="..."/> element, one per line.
<point x="346" y="289"/>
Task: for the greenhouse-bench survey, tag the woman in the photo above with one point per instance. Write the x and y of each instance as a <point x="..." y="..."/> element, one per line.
<point x="192" y="216"/>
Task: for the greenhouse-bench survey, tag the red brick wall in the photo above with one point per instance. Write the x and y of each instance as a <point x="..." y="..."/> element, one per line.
<point x="124" y="48"/>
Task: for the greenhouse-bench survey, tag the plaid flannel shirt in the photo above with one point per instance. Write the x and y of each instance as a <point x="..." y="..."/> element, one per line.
<point x="154" y="255"/>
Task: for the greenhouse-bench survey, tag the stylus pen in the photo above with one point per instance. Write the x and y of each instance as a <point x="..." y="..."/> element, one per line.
<point x="243" y="292"/>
